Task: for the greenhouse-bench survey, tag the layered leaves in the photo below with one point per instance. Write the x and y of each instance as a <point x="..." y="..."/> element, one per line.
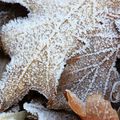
<point x="94" y="68"/>
<point x="43" y="43"/>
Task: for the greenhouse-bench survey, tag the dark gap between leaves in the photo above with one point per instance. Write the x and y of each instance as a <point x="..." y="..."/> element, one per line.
<point x="4" y="60"/>
<point x="33" y="95"/>
<point x="117" y="65"/>
<point x="8" y="11"/>
<point x="15" y="8"/>
<point x="115" y="105"/>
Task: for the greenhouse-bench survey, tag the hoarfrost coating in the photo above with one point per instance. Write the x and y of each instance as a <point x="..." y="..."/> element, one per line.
<point x="54" y="31"/>
<point x="39" y="48"/>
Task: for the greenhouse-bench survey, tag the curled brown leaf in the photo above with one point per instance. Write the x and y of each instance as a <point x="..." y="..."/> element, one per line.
<point x="95" y="108"/>
<point x="74" y="102"/>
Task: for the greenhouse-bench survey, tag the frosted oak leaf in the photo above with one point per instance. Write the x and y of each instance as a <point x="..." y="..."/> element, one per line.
<point x="39" y="46"/>
<point x="93" y="69"/>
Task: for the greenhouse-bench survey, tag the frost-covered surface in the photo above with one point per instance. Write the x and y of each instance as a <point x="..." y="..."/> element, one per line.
<point x="45" y="114"/>
<point x="39" y="47"/>
<point x="53" y="32"/>
<point x="94" y="71"/>
<point x="12" y="116"/>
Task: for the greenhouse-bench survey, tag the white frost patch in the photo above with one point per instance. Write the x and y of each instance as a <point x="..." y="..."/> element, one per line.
<point x="12" y="116"/>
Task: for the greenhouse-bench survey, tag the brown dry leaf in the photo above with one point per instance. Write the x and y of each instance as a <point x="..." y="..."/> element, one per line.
<point x="95" y="70"/>
<point x="96" y="107"/>
<point x="40" y="46"/>
<point x="74" y="102"/>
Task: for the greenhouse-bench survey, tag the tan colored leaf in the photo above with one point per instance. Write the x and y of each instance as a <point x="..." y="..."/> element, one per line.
<point x="75" y="103"/>
<point x="95" y="71"/>
<point x="99" y="109"/>
<point x="40" y="44"/>
<point x="96" y="108"/>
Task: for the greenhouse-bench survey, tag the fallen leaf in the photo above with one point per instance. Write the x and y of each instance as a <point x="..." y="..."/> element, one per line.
<point x="95" y="108"/>
<point x="96" y="70"/>
<point x="75" y="103"/>
<point x="39" y="46"/>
